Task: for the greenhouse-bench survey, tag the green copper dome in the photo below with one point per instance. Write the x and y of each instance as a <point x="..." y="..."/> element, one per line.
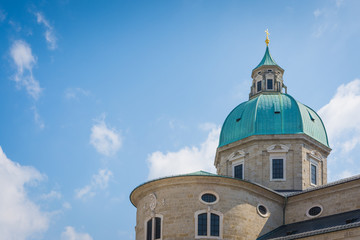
<point x="274" y="113"/>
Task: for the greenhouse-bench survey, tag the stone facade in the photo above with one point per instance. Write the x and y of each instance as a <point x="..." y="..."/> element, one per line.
<point x="334" y="199"/>
<point x="298" y="150"/>
<point x="178" y="200"/>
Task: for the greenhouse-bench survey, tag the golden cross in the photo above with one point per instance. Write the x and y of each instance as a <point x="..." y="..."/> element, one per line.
<point x="267" y="37"/>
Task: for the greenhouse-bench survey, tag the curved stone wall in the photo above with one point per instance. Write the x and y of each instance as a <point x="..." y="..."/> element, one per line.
<point x="177" y="201"/>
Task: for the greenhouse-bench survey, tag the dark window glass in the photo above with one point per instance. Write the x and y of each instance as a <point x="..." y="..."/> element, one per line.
<point x="238" y="171"/>
<point x="208" y="197"/>
<point x="258" y="86"/>
<point x="262" y="209"/>
<point x="269" y="84"/>
<point x="202" y="224"/>
<point x="278" y="168"/>
<point x="215" y="225"/>
<point x="149" y="230"/>
<point x="313" y="174"/>
<point x="314" y="211"/>
<point x="157" y="228"/>
<point x="279" y="87"/>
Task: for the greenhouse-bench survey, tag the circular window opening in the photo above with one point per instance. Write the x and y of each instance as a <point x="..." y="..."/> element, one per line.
<point x="262" y="210"/>
<point x="208" y="198"/>
<point x="314" y="211"/>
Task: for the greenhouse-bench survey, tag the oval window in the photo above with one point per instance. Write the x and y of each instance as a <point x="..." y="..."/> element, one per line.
<point x="262" y="210"/>
<point x="314" y="211"/>
<point x="208" y="198"/>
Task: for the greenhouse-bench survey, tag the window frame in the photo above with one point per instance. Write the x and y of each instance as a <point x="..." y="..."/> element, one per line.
<point x="208" y="223"/>
<point x="267" y="214"/>
<point x="153" y="223"/>
<point x="316" y="165"/>
<point x="257" y="86"/>
<point x="235" y="164"/>
<point x="316" y="205"/>
<point x="272" y="84"/>
<point x="283" y="157"/>
<point x="211" y="192"/>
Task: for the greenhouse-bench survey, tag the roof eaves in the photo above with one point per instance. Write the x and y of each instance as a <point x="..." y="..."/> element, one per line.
<point x="318" y="231"/>
<point x="341" y="181"/>
<point x="204" y="174"/>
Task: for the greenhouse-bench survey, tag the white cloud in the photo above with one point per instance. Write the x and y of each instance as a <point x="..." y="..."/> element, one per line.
<point x="98" y="181"/>
<point x="105" y="140"/>
<point x="37" y="118"/>
<point x="17" y="27"/>
<point x="74" y="93"/>
<point x="326" y="19"/>
<point x="24" y="60"/>
<point x="20" y="218"/>
<point x="207" y="126"/>
<point x="2" y="15"/>
<point x="66" y="205"/>
<point x="71" y="234"/>
<point x="317" y="13"/>
<point x="339" y="3"/>
<point x="49" y="31"/>
<point x="342" y="116"/>
<point x="346" y="174"/>
<point x="51" y="195"/>
<point x="187" y="159"/>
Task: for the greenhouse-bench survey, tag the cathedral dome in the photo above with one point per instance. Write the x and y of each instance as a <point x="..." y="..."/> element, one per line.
<point x="272" y="113"/>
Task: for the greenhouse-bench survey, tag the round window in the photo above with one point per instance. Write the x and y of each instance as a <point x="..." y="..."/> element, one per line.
<point x="262" y="210"/>
<point x="208" y="197"/>
<point x="314" y="211"/>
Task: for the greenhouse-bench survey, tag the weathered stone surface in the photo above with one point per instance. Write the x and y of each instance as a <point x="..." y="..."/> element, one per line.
<point x="301" y="149"/>
<point x="178" y="198"/>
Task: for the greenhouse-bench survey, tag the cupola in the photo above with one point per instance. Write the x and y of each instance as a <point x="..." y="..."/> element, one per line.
<point x="267" y="75"/>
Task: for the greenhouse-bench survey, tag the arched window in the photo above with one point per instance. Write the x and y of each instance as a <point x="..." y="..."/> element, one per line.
<point x="153" y="228"/>
<point x="208" y="224"/>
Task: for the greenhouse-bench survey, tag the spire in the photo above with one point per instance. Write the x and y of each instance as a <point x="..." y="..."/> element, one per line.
<point x="267" y="40"/>
<point x="267" y="60"/>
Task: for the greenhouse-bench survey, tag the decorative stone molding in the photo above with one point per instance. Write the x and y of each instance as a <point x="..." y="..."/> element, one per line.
<point x="278" y="148"/>
<point x="236" y="155"/>
<point x="152" y="204"/>
<point x="316" y="155"/>
<point x="269" y="76"/>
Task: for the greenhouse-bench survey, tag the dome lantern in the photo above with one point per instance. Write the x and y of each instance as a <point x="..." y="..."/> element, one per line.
<point x="267" y="75"/>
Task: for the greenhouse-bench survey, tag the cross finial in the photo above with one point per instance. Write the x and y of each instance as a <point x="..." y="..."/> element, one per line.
<point x="267" y="37"/>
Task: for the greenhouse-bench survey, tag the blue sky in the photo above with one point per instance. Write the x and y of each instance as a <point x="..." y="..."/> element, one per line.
<point x="97" y="98"/>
